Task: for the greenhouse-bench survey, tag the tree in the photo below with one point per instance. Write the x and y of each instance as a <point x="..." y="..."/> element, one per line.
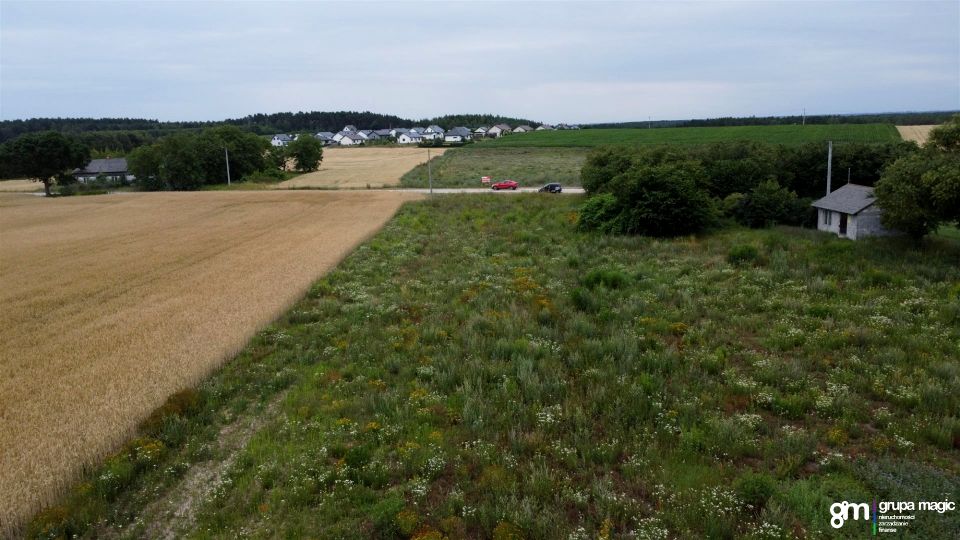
<point x="179" y="166"/>
<point x="246" y="153"/>
<point x="307" y="151"/>
<point x="921" y="191"/>
<point x="144" y="164"/>
<point x="43" y="157"/>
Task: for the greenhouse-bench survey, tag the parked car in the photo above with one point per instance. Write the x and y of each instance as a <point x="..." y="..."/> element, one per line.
<point x="551" y="188"/>
<point x="506" y="184"/>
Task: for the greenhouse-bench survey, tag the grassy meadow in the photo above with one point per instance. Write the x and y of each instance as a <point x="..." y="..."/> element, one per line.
<point x="480" y="369"/>
<point x="531" y="167"/>
<point x="864" y="133"/>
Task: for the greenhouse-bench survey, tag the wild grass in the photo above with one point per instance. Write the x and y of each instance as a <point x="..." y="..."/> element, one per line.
<point x="110" y="304"/>
<point x="531" y="167"/>
<point x="701" y="135"/>
<point x="482" y="369"/>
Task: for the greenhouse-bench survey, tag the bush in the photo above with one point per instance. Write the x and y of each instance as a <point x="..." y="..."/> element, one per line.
<point x="598" y="213"/>
<point x="767" y="204"/>
<point x="743" y="254"/>
<point x="266" y="176"/>
<point x="609" y="278"/>
<point x="755" y="489"/>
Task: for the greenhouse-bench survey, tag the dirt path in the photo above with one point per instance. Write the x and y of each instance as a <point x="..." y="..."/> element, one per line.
<point x="362" y="167"/>
<point x="917" y="134"/>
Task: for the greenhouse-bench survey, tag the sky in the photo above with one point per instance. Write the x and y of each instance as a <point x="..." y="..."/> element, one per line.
<point x="574" y="62"/>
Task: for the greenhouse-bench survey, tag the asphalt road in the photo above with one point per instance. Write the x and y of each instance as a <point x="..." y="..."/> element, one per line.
<point x="566" y="191"/>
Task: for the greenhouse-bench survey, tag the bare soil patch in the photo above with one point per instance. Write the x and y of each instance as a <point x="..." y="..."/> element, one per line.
<point x="109" y="304"/>
<point x="362" y="167"/>
<point x="917" y="134"/>
<point x="20" y="186"/>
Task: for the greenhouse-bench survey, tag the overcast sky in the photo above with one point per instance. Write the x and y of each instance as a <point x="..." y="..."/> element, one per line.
<point x="574" y="62"/>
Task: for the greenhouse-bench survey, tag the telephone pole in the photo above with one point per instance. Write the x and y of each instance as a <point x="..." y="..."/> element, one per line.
<point x="429" y="171"/>
<point x="829" y="164"/>
<point x="226" y="157"/>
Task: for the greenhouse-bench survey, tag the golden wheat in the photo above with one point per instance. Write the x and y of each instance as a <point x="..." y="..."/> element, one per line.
<point x="362" y="167"/>
<point x="917" y="134"/>
<point x="112" y="303"/>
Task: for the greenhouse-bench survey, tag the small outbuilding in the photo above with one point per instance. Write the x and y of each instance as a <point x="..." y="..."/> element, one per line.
<point x="850" y="212"/>
<point x="108" y="169"/>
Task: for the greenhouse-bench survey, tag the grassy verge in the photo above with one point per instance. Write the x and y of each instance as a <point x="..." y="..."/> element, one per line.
<point x="702" y="135"/>
<point x="481" y="369"/>
<point x="949" y="231"/>
<point x="463" y="167"/>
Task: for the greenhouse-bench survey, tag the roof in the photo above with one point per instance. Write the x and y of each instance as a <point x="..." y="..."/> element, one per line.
<point x="398" y="131"/>
<point x="460" y="130"/>
<point x="382" y="132"/>
<point x="435" y="129"/>
<point x="283" y="137"/>
<point x="102" y="166"/>
<point x="524" y="127"/>
<point x="413" y="135"/>
<point x="849" y="199"/>
<point x="481" y="129"/>
<point x="417" y="129"/>
<point x="350" y="127"/>
<point x="324" y="135"/>
<point x="502" y="127"/>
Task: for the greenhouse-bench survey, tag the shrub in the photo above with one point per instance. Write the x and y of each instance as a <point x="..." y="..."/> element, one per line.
<point x="265" y="176"/>
<point x="609" y="278"/>
<point x="743" y="254"/>
<point x="598" y="213"/>
<point x="767" y="204"/>
<point x="755" y="489"/>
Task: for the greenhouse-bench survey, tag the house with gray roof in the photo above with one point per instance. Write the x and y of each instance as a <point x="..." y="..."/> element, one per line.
<point x="410" y="137"/>
<point x="350" y="128"/>
<point x="850" y="212"/>
<point x="351" y="139"/>
<point x="106" y="169"/>
<point x="499" y="130"/>
<point x="384" y="133"/>
<point x="281" y="139"/>
<point x="434" y="129"/>
<point x="522" y="129"/>
<point x="396" y="132"/>
<point x="458" y="134"/>
<point x="417" y="130"/>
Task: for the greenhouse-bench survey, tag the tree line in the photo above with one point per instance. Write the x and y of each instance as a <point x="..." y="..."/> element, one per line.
<point x="900" y="119"/>
<point x="669" y="191"/>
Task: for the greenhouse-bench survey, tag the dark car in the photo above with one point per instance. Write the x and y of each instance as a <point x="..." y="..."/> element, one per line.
<point x="551" y="188"/>
<point x="506" y="184"/>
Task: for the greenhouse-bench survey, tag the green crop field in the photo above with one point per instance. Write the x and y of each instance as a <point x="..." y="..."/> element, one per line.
<point x="701" y="135"/>
<point x="482" y="369"/>
<point x="463" y="167"/>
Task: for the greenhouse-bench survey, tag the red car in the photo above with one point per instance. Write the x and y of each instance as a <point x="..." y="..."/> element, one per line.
<point x="506" y="184"/>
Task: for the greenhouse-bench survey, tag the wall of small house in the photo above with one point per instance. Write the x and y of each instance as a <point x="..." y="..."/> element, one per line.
<point x="833" y="226"/>
<point x="869" y="223"/>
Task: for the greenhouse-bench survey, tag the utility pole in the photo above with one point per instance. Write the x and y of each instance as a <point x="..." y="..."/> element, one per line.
<point x="829" y="164"/>
<point x="226" y="157"/>
<point x="429" y="171"/>
<point x="804" y="121"/>
<point x="848" y="175"/>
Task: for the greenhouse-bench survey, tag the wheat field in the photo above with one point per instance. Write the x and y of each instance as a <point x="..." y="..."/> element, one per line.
<point x="362" y="167"/>
<point x="20" y="185"/>
<point x="917" y="134"/>
<point x="112" y="303"/>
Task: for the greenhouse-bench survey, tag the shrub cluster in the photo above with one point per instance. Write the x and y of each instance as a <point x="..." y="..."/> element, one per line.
<point x="669" y="191"/>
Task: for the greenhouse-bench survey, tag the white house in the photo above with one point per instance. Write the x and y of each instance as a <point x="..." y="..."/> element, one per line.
<point x="434" y="129"/>
<point x="281" y="139"/>
<point x="522" y="129"/>
<point x="384" y="133"/>
<point x="418" y="130"/>
<point x="350" y="127"/>
<point x="339" y="135"/>
<point x="431" y="135"/>
<point x="545" y="127"/>
<point x="324" y="136"/>
<point x="351" y="139"/>
<point x="850" y="212"/>
<point x="480" y="132"/>
<point x="411" y="137"/>
<point x="498" y="130"/>
<point x="458" y="134"/>
<point x="396" y="132"/>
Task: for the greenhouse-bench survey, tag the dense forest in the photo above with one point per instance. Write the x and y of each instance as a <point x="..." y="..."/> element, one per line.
<point x="900" y="119"/>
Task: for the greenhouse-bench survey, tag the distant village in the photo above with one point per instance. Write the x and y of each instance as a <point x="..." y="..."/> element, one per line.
<point x="351" y="136"/>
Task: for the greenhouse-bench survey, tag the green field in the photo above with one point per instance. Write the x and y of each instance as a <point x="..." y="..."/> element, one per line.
<point x="482" y="369"/>
<point x="531" y="167"/>
<point x="701" y="135"/>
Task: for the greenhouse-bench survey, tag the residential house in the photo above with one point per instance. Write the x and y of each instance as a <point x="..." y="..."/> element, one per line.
<point x="368" y="134"/>
<point x="850" y="212"/>
<point x="499" y="130"/>
<point x="384" y="133"/>
<point x="350" y="128"/>
<point x="523" y="129"/>
<point x="324" y="136"/>
<point x="434" y="129"/>
<point x="545" y="127"/>
<point x="410" y="137"/>
<point x="458" y="134"/>
<point x="351" y="139"/>
<point x="480" y="132"/>
<point x="418" y="130"/>
<point x="281" y="139"/>
<point x="108" y="169"/>
<point x="396" y="132"/>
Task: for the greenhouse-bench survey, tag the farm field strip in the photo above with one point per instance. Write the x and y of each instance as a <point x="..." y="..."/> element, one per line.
<point x="362" y="167"/>
<point x="531" y="167"/>
<point x="112" y="303"/>
<point x="18" y="186"/>
<point x="917" y="134"/>
<point x="701" y="135"/>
